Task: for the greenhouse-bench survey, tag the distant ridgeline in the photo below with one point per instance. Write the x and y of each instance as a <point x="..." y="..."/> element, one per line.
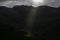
<point x="47" y="20"/>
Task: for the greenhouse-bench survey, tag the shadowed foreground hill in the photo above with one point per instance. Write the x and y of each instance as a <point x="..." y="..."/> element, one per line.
<point x="46" y="25"/>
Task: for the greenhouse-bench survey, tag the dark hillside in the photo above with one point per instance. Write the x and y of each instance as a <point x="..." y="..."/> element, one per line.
<point x="13" y="21"/>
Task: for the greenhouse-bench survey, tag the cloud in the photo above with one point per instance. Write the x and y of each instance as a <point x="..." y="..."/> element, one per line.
<point x="11" y="3"/>
<point x="53" y="3"/>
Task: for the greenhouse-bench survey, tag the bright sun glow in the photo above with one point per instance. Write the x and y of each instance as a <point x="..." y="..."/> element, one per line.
<point x="37" y="2"/>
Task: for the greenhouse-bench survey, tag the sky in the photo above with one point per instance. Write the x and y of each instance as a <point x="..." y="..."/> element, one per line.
<point x="34" y="3"/>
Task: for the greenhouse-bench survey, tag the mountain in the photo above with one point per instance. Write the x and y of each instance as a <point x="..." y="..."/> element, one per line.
<point x="15" y="17"/>
<point x="46" y="24"/>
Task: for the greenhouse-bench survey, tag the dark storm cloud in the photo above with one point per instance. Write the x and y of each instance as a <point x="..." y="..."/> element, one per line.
<point x="11" y="3"/>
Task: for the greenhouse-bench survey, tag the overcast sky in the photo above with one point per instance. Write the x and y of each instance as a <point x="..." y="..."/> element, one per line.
<point x="11" y="3"/>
